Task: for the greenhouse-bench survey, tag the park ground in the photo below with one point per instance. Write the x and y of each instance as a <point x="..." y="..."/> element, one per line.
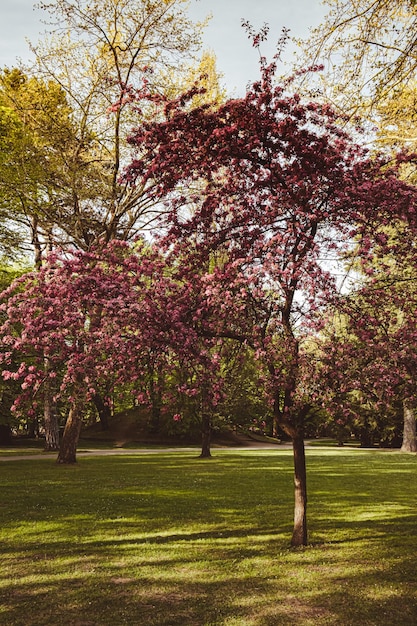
<point x="163" y="538"/>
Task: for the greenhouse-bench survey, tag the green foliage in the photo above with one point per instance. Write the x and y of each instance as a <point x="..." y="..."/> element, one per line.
<point x="43" y="160"/>
<point x="245" y="402"/>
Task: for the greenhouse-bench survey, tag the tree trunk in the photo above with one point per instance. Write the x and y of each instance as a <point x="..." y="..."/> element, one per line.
<point x="103" y="410"/>
<point x="274" y="427"/>
<point x="50" y="424"/>
<point x="409" y="435"/>
<point x="299" y="537"/>
<point x="33" y="428"/>
<point x="36" y="243"/>
<point x="156" y="384"/>
<point x="50" y="418"/>
<point x="68" y="450"/>
<point x="5" y="435"/>
<point x="295" y="430"/>
<point x="205" y="409"/>
<point x="205" y="436"/>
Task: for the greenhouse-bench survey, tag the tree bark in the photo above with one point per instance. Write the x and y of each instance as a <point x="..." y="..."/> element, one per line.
<point x="205" y="435"/>
<point x="205" y="408"/>
<point x="68" y="449"/>
<point x="103" y="410"/>
<point x="299" y="536"/>
<point x="33" y="428"/>
<point x="155" y="389"/>
<point x="36" y="243"/>
<point x="50" y="424"/>
<point x="409" y="434"/>
<point x="274" y="427"/>
<point x="5" y="435"/>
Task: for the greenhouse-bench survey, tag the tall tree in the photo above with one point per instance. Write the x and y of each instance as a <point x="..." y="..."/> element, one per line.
<point x="42" y="159"/>
<point x="8" y="390"/>
<point x="38" y="170"/>
<point x="368" y="48"/>
<point x="280" y="186"/>
<point x="11" y="237"/>
<point x="98" y="51"/>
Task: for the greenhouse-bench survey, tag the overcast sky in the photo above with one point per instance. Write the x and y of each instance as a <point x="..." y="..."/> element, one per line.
<point x="236" y="58"/>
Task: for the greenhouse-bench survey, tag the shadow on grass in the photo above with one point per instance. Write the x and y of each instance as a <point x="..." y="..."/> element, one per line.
<point x="170" y="541"/>
<point x="219" y="585"/>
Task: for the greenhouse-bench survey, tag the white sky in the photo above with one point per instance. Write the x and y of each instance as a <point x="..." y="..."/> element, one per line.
<point x="236" y="59"/>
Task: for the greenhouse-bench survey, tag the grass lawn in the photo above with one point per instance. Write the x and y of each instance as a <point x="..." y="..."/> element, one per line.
<point x="169" y="539"/>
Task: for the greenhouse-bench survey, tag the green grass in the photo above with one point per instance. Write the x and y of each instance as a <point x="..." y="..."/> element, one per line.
<point x="37" y="446"/>
<point x="169" y="539"/>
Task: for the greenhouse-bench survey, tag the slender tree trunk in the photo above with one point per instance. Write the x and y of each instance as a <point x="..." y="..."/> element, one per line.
<point x="274" y="429"/>
<point x="36" y="243"/>
<point x="103" y="410"/>
<point x="155" y="388"/>
<point x="205" y="435"/>
<point x="155" y="419"/>
<point x="50" y="418"/>
<point x="299" y="536"/>
<point x="205" y="423"/>
<point x="409" y="435"/>
<point x="50" y="424"/>
<point x="33" y="428"/>
<point x="68" y="449"/>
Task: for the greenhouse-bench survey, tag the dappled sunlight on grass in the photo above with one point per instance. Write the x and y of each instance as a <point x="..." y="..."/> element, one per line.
<point x="168" y="539"/>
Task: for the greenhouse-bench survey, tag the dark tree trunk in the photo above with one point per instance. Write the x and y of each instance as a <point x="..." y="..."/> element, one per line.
<point x="409" y="435"/>
<point x="33" y="428"/>
<point x="299" y="536"/>
<point x="365" y="440"/>
<point x="156" y="400"/>
<point x="103" y="411"/>
<point x="155" y="422"/>
<point x="365" y="436"/>
<point x="205" y="436"/>
<point x="68" y="449"/>
<point x="205" y="422"/>
<point x="5" y="435"/>
<point x="274" y="429"/>
<point x="51" y="425"/>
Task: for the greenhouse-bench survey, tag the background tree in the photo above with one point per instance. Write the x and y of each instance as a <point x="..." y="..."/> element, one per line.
<point x="90" y="321"/>
<point x="8" y="390"/>
<point x="370" y="354"/>
<point x="38" y="170"/>
<point x="63" y="173"/>
<point x="61" y="333"/>
<point x="368" y="48"/>
<point x="205" y="75"/>
<point x="11" y="239"/>
<point x="97" y="51"/>
<point x="42" y="161"/>
<point x="398" y="117"/>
